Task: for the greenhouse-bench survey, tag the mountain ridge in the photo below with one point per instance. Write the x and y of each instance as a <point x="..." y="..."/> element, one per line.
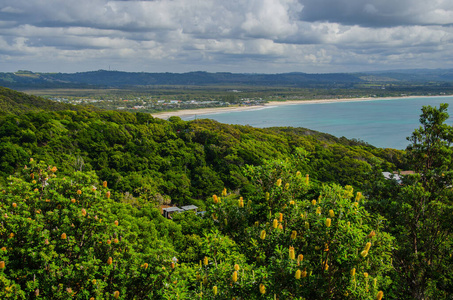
<point x="119" y="79"/>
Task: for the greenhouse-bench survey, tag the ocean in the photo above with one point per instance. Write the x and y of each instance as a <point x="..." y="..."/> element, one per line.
<point x="382" y="123"/>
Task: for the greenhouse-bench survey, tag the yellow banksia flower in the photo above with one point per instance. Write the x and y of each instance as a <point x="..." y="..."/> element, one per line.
<point x="380" y="295"/>
<point x="358" y="196"/>
<point x="303" y="274"/>
<point x="104" y="184"/>
<point x="372" y="233"/>
<point x="280" y="226"/>
<point x="293" y="234"/>
<point x="364" y="253"/>
<point x="367" y="246"/>
<point x="298" y="273"/>
<point x="375" y="282"/>
<point x="300" y="258"/>
<point x="331" y="213"/>
<point x="63" y="236"/>
<point x="262" y="289"/>
<point x="145" y="266"/>
<point x="307" y="179"/>
<point x="353" y="272"/>
<point x="109" y="242"/>
<point x="326" y="267"/>
<point x="236" y="267"/>
<point x="235" y="276"/>
<point x="292" y="202"/>
<point x="109" y="260"/>
<point x="215" y="199"/>
<point x="54" y="169"/>
<point x="263" y="234"/>
<point x="34" y="182"/>
<point x="241" y="202"/>
<point x="292" y="253"/>
<point x="280" y="217"/>
<point x="116" y="222"/>
<point x="205" y="261"/>
<point x="328" y="222"/>
<point x="108" y="194"/>
<point x="116" y="294"/>
<point x="287" y="186"/>
<point x="14" y="205"/>
<point x="79" y="192"/>
<point x="214" y="289"/>
<point x="73" y="200"/>
<point x="3" y="248"/>
<point x="116" y="241"/>
<point x="224" y="192"/>
<point x="267" y="196"/>
<point x="365" y="275"/>
<point x="318" y="210"/>
<point x="298" y="173"/>
<point x="279" y="182"/>
<point x="84" y="212"/>
<point x="313" y="202"/>
<point x="2" y="264"/>
<point x="275" y="223"/>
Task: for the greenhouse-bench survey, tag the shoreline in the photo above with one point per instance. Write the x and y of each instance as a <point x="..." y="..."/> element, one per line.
<point x="215" y="110"/>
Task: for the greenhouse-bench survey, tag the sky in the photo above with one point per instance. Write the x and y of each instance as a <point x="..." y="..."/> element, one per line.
<point x="239" y="36"/>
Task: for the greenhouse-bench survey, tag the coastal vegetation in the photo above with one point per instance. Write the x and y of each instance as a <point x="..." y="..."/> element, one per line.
<point x="288" y="213"/>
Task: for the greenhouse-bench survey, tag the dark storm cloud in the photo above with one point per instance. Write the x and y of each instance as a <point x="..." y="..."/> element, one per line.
<point x="382" y="13"/>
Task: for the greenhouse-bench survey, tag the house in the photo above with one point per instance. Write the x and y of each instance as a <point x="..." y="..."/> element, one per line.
<point x="168" y="211"/>
<point x="190" y="208"/>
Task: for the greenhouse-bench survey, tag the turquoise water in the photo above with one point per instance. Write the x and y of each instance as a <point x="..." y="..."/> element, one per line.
<point x="382" y="123"/>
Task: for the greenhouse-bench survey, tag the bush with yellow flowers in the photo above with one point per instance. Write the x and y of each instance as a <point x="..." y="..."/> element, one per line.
<point x="61" y="238"/>
<point x="309" y="237"/>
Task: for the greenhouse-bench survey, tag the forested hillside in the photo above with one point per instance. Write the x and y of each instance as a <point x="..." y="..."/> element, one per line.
<point x="14" y="102"/>
<point x="289" y="213"/>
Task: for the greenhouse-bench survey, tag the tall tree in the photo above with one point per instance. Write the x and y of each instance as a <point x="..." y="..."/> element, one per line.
<point x="420" y="211"/>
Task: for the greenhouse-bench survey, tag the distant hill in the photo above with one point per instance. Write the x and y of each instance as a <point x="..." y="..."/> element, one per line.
<point x="117" y="79"/>
<point x="102" y="78"/>
<point x="17" y="103"/>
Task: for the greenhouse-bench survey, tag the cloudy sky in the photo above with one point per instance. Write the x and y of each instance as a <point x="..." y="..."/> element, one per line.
<point x="241" y="36"/>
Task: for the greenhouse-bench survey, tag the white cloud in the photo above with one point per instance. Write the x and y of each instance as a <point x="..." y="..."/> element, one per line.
<point x="257" y="35"/>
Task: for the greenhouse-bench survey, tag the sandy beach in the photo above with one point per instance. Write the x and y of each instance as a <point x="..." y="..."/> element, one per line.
<point x="214" y="110"/>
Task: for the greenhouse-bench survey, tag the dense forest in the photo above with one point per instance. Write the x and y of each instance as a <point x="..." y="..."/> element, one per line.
<point x="286" y="213"/>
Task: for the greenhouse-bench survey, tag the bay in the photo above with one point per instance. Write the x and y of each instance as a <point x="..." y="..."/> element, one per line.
<point x="382" y="123"/>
